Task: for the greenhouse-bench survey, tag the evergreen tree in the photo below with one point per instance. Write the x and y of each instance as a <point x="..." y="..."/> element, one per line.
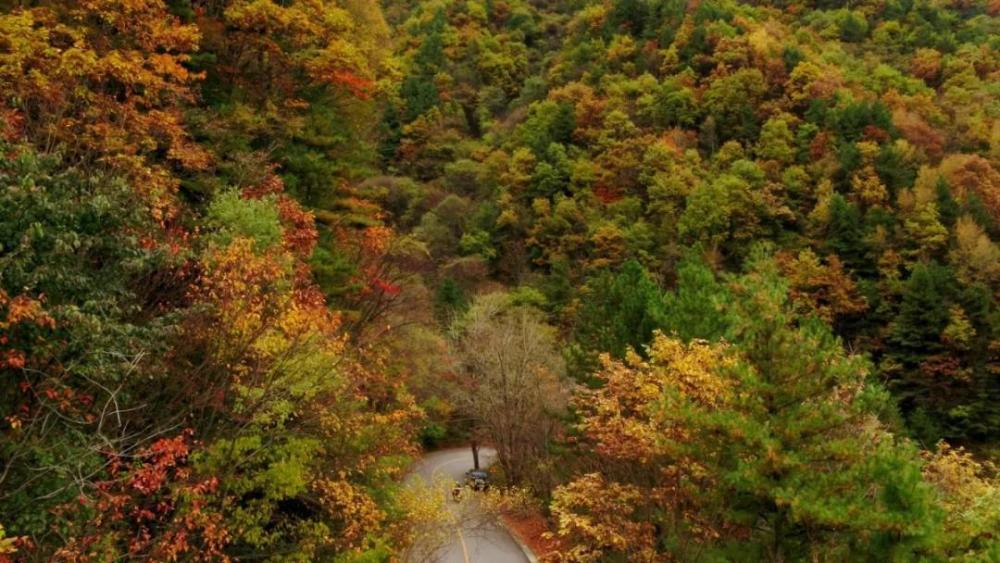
<point x="766" y="447"/>
<point x="449" y="301"/>
<point x="418" y="89"/>
<point x="948" y="208"/>
<point x="808" y="460"/>
<point x="923" y="314"/>
<point x="618" y="311"/>
<point x="845" y="235"/>
<point x="628" y="16"/>
<point x="694" y="308"/>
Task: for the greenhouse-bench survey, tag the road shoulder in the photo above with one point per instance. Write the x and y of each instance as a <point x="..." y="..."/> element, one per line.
<point x="519" y="541"/>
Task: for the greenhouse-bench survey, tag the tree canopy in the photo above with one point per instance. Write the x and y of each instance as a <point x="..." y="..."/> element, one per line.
<point x="719" y="280"/>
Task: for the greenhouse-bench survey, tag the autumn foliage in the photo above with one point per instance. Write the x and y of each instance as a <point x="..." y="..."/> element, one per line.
<point x="717" y="280"/>
<point x="181" y="388"/>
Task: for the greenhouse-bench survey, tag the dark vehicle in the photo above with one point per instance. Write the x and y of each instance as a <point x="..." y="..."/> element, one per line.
<point x="477" y="480"/>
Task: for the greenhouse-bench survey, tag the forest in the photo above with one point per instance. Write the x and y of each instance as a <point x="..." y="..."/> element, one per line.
<point x="718" y="280"/>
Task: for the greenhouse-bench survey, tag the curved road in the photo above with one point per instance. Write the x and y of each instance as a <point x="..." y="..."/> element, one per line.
<point x="472" y="544"/>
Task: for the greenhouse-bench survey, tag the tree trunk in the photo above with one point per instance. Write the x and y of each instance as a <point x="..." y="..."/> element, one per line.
<point x="778" y="538"/>
<point x="475" y="455"/>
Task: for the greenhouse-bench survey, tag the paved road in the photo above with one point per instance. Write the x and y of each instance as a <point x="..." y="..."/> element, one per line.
<point x="473" y="543"/>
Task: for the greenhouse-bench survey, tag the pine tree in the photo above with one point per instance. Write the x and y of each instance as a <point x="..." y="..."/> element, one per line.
<point x="800" y="449"/>
<point x="765" y="446"/>
<point x="923" y="314"/>
<point x="845" y="236"/>
<point x="694" y="308"/>
<point x="948" y="208"/>
<point x="619" y="311"/>
<point x="449" y="301"/>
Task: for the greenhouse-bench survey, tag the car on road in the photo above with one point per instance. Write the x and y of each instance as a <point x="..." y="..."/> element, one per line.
<point x="477" y="480"/>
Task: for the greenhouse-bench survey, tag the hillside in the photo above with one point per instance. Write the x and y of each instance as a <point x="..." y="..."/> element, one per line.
<point x="718" y="280"/>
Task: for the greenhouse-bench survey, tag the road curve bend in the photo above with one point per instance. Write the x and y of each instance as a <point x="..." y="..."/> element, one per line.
<point x="479" y="544"/>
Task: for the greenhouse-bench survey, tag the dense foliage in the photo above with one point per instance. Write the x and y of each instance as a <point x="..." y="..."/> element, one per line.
<point x="718" y="279"/>
<point x="178" y="386"/>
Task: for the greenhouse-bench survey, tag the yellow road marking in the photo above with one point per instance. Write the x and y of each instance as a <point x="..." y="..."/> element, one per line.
<point x="465" y="550"/>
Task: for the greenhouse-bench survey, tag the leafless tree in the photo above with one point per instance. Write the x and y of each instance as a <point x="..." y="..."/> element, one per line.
<point x="511" y="380"/>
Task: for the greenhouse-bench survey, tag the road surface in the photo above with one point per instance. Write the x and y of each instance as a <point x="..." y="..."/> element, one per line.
<point x="472" y="543"/>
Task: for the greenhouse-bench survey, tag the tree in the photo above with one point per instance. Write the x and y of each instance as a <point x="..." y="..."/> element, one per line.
<point x="970" y="491"/>
<point x="449" y="301"/>
<point x="923" y="313"/>
<point x="733" y="100"/>
<point x="618" y="312"/>
<point x="867" y="189"/>
<point x="767" y="447"/>
<point x="418" y="90"/>
<point x="287" y="414"/>
<point x="972" y="175"/>
<point x="265" y="442"/>
<point x="509" y="380"/>
<point x="776" y="141"/>
<point x="598" y="520"/>
<point x="707" y="217"/>
<point x="728" y="212"/>
<point x="845" y="233"/>
<point x="549" y="122"/>
<point x="74" y="245"/>
<point x="923" y="231"/>
<point x="936" y="356"/>
<point x="822" y="290"/>
<point x="628" y="16"/>
<point x="289" y="83"/>
<point x="362" y="271"/>
<point x="105" y="84"/>
<point x="695" y="309"/>
<point x="975" y="256"/>
<point x="852" y="27"/>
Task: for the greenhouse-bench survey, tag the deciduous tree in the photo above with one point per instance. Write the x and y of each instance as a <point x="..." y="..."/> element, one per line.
<point x="510" y="380"/>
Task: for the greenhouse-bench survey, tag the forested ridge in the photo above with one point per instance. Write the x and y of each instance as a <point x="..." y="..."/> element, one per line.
<point x="718" y="280"/>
